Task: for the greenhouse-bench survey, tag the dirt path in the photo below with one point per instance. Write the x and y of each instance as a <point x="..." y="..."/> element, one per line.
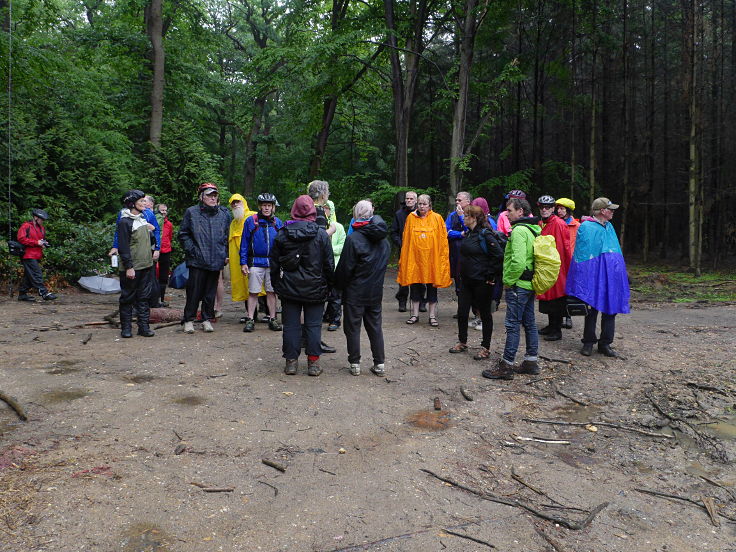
<point x="119" y="430"/>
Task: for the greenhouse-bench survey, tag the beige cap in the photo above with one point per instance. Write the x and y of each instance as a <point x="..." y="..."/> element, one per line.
<point x="603" y="203"/>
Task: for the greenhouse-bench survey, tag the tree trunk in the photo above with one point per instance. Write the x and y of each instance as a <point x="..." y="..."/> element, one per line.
<point x="626" y="114"/>
<point x="691" y="67"/>
<point x="249" y="178"/>
<point x="154" y="28"/>
<point x="320" y="143"/>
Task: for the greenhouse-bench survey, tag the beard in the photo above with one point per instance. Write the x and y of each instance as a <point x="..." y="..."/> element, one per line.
<point x="239" y="212"/>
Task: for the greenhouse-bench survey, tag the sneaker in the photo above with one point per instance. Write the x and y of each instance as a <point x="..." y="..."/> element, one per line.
<point x="355" y="369"/>
<point x="528" y="367"/>
<point x="503" y="370"/>
<point x="473" y="321"/>
<point x="313" y="368"/>
<point x="379" y="370"/>
<point x="218" y="314"/>
<point x="291" y="367"/>
<point x="265" y="319"/>
<point x="250" y="325"/>
<point x="26" y="297"/>
<point x="478" y="326"/>
<point x="274" y="325"/>
<point x="49" y="297"/>
<point x="333" y="327"/>
<point x="189" y="327"/>
<point x="207" y="326"/>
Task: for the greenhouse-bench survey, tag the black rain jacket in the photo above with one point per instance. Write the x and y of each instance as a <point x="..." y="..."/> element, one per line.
<point x="475" y="264"/>
<point x="203" y="235"/>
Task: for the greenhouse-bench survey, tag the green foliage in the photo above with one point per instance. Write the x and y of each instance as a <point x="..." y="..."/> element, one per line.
<point x="497" y="186"/>
<point x="665" y="283"/>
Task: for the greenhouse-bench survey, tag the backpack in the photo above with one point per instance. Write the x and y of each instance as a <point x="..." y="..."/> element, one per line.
<point x="500" y="237"/>
<point x="546" y="262"/>
<point x="16" y="248"/>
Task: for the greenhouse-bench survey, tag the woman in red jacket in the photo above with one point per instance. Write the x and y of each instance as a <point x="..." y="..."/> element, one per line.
<point x="32" y="235"/>
<point x="164" y="259"/>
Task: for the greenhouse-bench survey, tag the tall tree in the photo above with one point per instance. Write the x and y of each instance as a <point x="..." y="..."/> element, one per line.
<point x="155" y="31"/>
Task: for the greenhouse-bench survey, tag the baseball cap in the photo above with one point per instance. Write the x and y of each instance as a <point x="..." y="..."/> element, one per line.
<point x="603" y="203"/>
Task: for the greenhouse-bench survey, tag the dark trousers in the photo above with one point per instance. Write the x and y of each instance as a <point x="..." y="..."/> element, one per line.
<point x="403" y="293"/>
<point x="164" y="267"/>
<point x="201" y="287"/>
<point x="32" y="277"/>
<point x="370" y="316"/>
<point x="608" y="327"/>
<point x="291" y="312"/>
<point x="555" y="310"/>
<point x="423" y="293"/>
<point x="333" y="312"/>
<point x="479" y="296"/>
<point x="136" y="292"/>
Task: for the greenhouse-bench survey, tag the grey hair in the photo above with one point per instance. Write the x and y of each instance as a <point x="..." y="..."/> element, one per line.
<point x="150" y="198"/>
<point x="425" y="197"/>
<point x="466" y="195"/>
<point x="363" y="210"/>
<point x="318" y="190"/>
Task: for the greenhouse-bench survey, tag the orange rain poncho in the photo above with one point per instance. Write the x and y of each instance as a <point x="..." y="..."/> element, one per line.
<point x="425" y="253"/>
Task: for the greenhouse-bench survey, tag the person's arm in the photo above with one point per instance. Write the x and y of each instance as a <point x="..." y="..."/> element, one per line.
<point x="453" y="234"/>
<point x="346" y="265"/>
<point x="245" y="246"/>
<point x="124" y="232"/>
<point x="338" y="239"/>
<point x="185" y="236"/>
<point x="328" y="260"/>
<point x="515" y="260"/>
<point x="151" y="219"/>
<point x="396" y="230"/>
<point x="24" y="235"/>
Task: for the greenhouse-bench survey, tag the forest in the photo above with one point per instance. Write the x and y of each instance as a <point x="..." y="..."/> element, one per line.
<point x="630" y="99"/>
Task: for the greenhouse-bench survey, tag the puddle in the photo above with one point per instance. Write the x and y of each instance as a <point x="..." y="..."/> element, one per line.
<point x="433" y="420"/>
<point x="145" y="537"/>
<point x="139" y="378"/>
<point x="63" y="395"/>
<point x="63" y="367"/>
<point x="723" y="430"/>
<point x="577" y="413"/>
<point x="189" y="400"/>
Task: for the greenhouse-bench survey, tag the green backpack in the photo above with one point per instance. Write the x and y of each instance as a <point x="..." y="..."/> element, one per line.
<point x="546" y="262"/>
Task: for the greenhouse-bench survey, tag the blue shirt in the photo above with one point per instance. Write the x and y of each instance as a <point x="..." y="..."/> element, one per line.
<point x="150" y="219"/>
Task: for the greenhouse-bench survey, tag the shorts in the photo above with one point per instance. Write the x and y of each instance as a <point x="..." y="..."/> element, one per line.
<point x="258" y="277"/>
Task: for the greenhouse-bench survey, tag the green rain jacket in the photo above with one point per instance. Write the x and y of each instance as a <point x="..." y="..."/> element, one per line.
<point x="519" y="255"/>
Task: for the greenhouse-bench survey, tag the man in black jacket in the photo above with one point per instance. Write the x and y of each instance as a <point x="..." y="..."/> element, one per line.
<point x="302" y="271"/>
<point x="203" y="235"/>
<point x="397" y="232"/>
<point x="360" y="275"/>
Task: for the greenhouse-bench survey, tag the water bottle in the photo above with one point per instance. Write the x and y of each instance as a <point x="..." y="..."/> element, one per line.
<point x="114" y="261"/>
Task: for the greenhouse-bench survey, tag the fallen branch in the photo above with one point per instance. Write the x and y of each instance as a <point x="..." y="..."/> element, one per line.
<point x="208" y="489"/>
<point x="275" y="490"/>
<point x="167" y="325"/>
<point x="717" y="484"/>
<point x="573" y="399"/>
<point x="570" y="524"/>
<point x="97" y="323"/>
<point x="538" y="440"/>
<point x="707" y="388"/>
<point x="561" y="360"/>
<point x="488" y="544"/>
<point x="12" y="403"/>
<point x="600" y="423"/>
<point x="274" y="465"/>
<point x="683" y="498"/>
<point x="516" y="477"/>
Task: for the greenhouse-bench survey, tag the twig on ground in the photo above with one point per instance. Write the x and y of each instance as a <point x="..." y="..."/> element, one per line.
<point x="717" y="484"/>
<point x="599" y="423"/>
<point x="561" y="360"/>
<point x="97" y="323"/>
<point x="541" y="440"/>
<point x="706" y="388"/>
<point x="556" y="545"/>
<point x="177" y="435"/>
<point x="12" y="403"/>
<point x="539" y="379"/>
<point x="488" y="544"/>
<point x="327" y="471"/>
<point x="275" y="490"/>
<point x="683" y="498"/>
<point x="516" y="477"/>
<point x="466" y="394"/>
<point x="402" y="360"/>
<point x="573" y="399"/>
<point x="274" y="465"/>
<point x="86" y="339"/>
<point x="213" y="376"/>
<point x="167" y="325"/>
<point x="208" y="489"/>
<point x="570" y="524"/>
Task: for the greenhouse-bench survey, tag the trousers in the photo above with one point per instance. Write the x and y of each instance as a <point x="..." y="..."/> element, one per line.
<point x="370" y="316"/>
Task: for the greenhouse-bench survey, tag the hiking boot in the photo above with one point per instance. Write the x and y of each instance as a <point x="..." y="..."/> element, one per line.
<point x="402" y="306"/>
<point x="313" y="368"/>
<point x="528" y="367"/>
<point x="473" y="321"/>
<point x="567" y="324"/>
<point x="189" y="327"/>
<point x="607" y="351"/>
<point x="126" y="321"/>
<point x="146" y="332"/>
<point x="545" y="331"/>
<point x="553" y="336"/>
<point x="207" y="326"/>
<point x="355" y="369"/>
<point x="274" y="325"/>
<point x="587" y="349"/>
<point x="291" y="367"/>
<point x="49" y="296"/>
<point x="503" y="370"/>
<point x="379" y="370"/>
<point x="26" y="297"/>
<point x="250" y="325"/>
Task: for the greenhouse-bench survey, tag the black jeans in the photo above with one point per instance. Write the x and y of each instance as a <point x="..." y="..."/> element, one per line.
<point x="164" y="267"/>
<point x="332" y="310"/>
<point x="201" y="287"/>
<point x="423" y="293"/>
<point x="403" y="293"/>
<point x="291" y="312"/>
<point x="370" y="316"/>
<point x="140" y="289"/>
<point x="555" y="310"/>
<point x="478" y="295"/>
<point x="32" y="277"/>
<point x="608" y="327"/>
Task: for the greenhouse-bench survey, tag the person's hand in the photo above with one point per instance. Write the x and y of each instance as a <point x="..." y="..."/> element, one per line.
<point x="332" y="229"/>
<point x="156" y="255"/>
<point x="150" y="227"/>
<point x="113" y="251"/>
<point x="41" y="243"/>
<point x="244" y="269"/>
<point x="227" y="260"/>
<point x="459" y="210"/>
<point x="130" y="274"/>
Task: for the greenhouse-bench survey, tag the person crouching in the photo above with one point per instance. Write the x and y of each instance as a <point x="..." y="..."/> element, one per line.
<point x="136" y="263"/>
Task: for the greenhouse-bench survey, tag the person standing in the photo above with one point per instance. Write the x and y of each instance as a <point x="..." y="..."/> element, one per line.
<point x="359" y="275"/>
<point x="333" y="310"/>
<point x="598" y="277"/>
<point x="424" y="264"/>
<point x="409" y="205"/>
<point x="204" y="238"/>
<point x="564" y="208"/>
<point x="518" y="269"/>
<point x="302" y="271"/>
<point x="259" y="233"/>
<point x="553" y="301"/>
<point x="504" y="225"/>
<point x="481" y="259"/>
<point x="137" y="284"/>
<point x="238" y="279"/>
<point x="164" y="259"/>
<point x="456" y="231"/>
<point x="32" y="234"/>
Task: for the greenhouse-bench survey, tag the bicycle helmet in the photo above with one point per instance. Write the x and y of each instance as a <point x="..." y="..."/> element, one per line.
<point x="268" y="198"/>
<point x="206" y="186"/>
<point x="40" y="213"/>
<point x="131" y="196"/>
<point x="516" y="194"/>
<point x="546" y="200"/>
<point x="565" y="202"/>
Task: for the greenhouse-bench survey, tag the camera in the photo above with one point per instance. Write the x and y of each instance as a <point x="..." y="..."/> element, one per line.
<point x="45" y="243"/>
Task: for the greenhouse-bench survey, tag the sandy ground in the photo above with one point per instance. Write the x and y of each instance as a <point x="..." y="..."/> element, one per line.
<point x="119" y="430"/>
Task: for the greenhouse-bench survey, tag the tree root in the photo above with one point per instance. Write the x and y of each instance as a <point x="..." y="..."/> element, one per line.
<point x="14" y="405"/>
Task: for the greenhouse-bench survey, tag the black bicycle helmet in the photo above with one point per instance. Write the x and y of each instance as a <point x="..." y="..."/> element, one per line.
<point x="131" y="196"/>
<point x="40" y="213"/>
<point x="267" y="197"/>
<point x="546" y="200"/>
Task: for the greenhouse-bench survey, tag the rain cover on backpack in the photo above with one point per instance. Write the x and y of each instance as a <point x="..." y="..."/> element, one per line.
<point x="546" y="264"/>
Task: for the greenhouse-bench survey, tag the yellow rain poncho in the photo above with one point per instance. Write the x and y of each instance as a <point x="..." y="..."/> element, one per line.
<point x="238" y="281"/>
<point x="425" y="252"/>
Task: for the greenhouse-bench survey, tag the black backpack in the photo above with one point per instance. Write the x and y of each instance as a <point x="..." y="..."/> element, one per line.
<point x="16" y="248"/>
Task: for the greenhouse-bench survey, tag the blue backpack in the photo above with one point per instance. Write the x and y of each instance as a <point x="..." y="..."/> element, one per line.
<point x="179" y="277"/>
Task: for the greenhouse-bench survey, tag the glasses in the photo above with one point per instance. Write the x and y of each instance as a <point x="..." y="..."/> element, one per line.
<point x="213" y="194"/>
<point x="546" y="206"/>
